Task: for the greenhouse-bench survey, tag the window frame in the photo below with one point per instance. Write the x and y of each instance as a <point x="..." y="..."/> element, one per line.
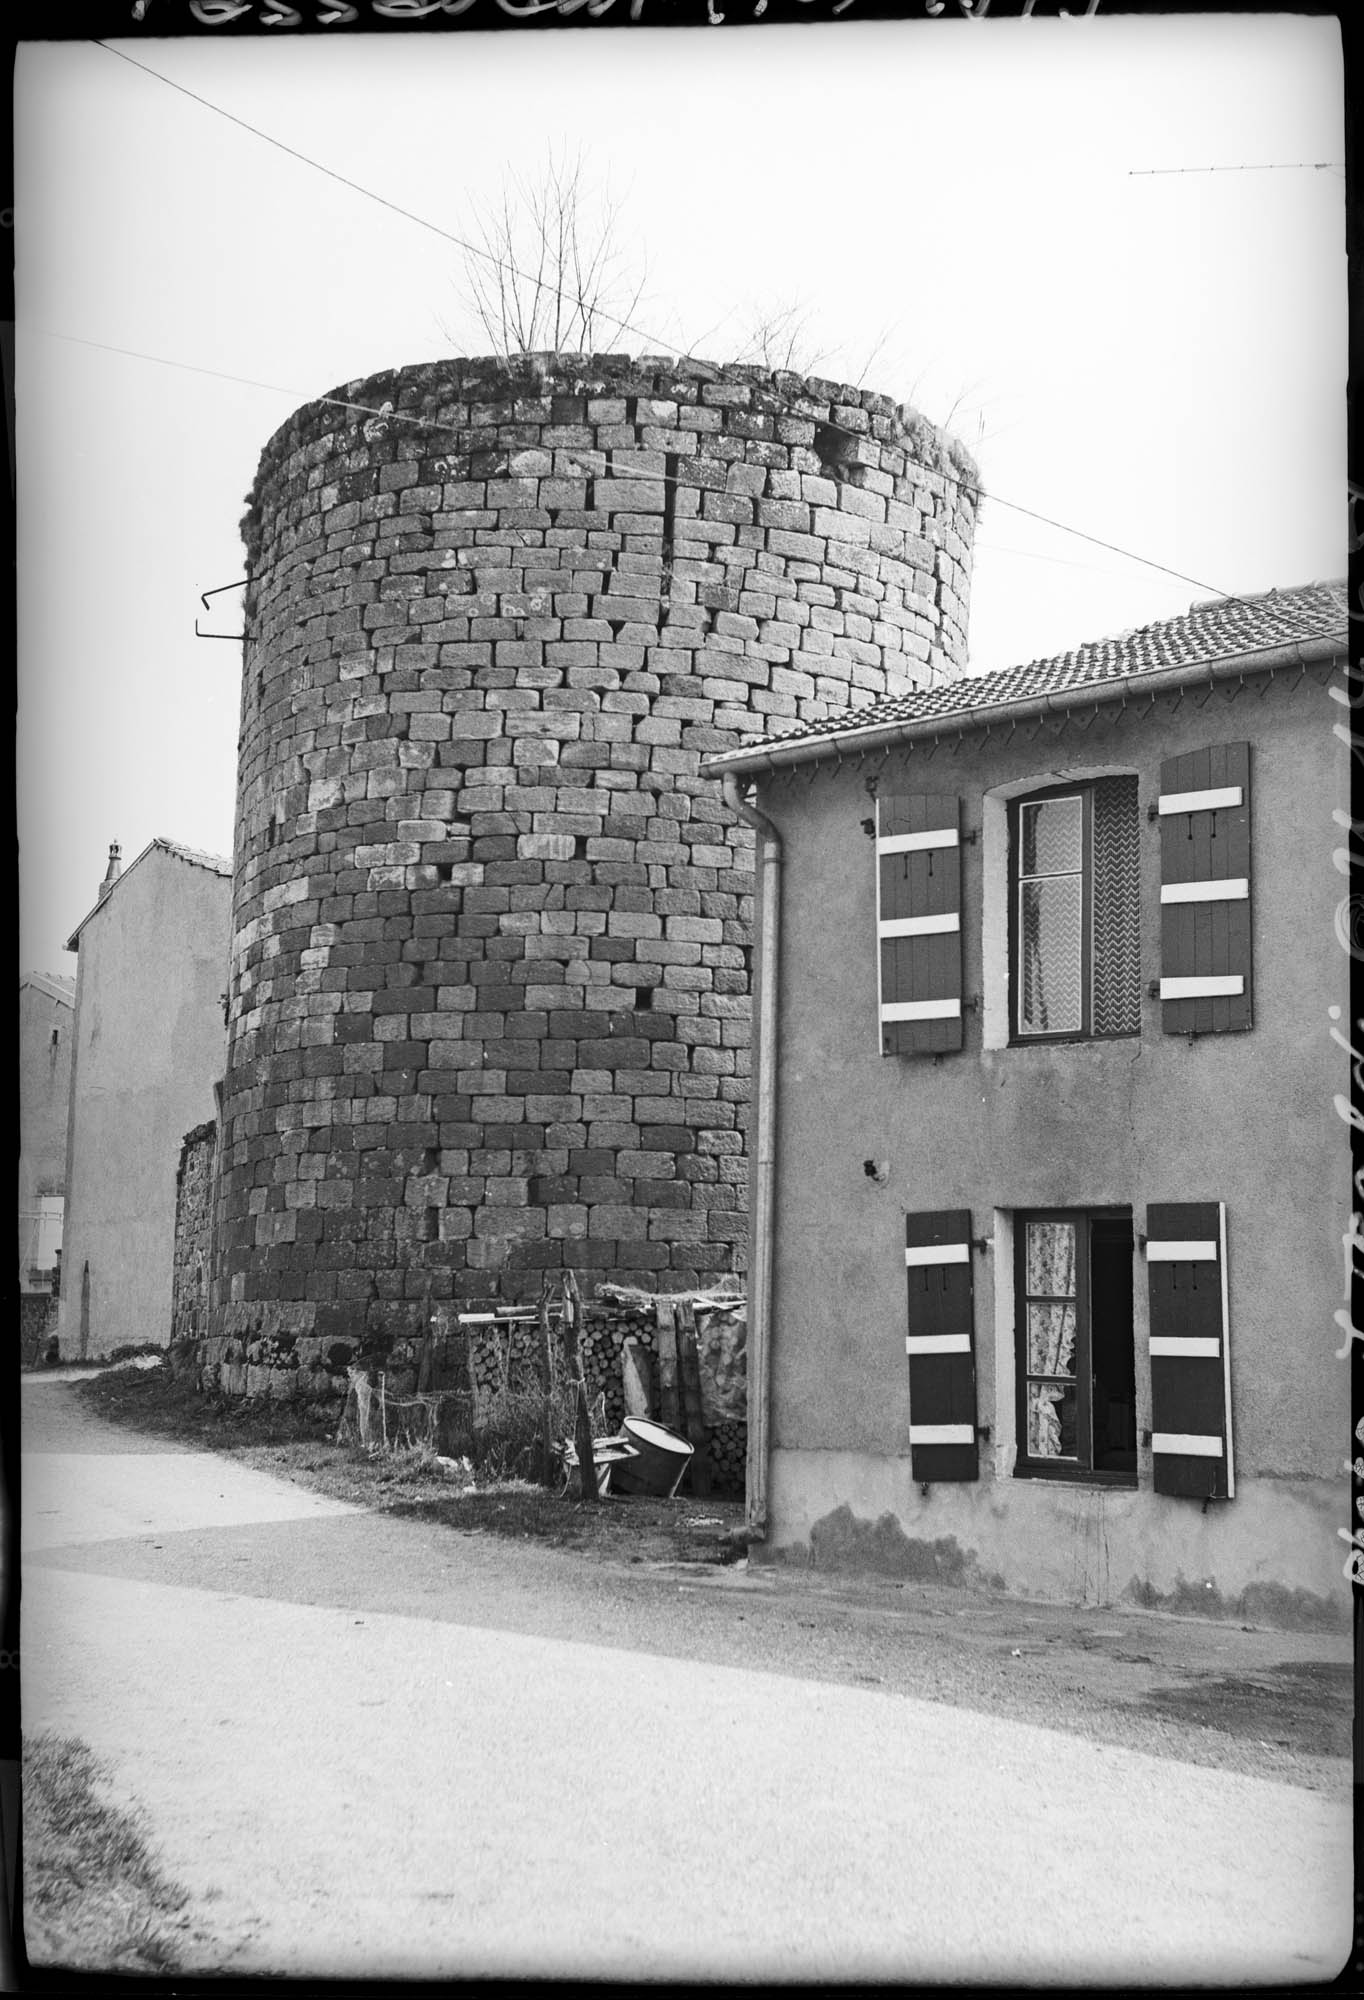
<point x="1019" y="1037"/>
<point x="1081" y="1470"/>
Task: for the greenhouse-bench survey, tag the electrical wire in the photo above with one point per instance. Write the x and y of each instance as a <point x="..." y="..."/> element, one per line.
<point x="1249" y="167"/>
<point x="623" y="326"/>
<point x="356" y="187"/>
<point x="1035" y="555"/>
<point x="621" y="472"/>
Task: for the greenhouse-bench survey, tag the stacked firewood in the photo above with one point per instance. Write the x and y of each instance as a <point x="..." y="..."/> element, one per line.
<point x="728" y="1455"/>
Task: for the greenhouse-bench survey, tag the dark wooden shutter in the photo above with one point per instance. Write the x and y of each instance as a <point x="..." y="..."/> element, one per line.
<point x="1205" y="948"/>
<point x="1186" y="1262"/>
<point x="940" y="1345"/>
<point x="918" y="923"/>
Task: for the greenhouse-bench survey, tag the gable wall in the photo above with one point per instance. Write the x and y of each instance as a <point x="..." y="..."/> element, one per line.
<point x="150" y="1045"/>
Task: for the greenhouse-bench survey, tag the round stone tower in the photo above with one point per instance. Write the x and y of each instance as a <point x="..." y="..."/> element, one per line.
<point x="489" y="992"/>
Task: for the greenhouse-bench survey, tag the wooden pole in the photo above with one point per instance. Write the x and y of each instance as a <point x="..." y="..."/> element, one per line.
<point x="546" y="1360"/>
<point x="689" y="1387"/>
<point x="587" y="1464"/>
<point x="471" y="1376"/>
<point x="426" y="1359"/>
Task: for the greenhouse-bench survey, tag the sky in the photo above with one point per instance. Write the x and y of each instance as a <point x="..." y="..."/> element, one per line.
<point x="977" y="217"/>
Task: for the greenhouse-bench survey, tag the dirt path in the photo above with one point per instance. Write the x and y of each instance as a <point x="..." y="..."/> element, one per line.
<point x="357" y="1733"/>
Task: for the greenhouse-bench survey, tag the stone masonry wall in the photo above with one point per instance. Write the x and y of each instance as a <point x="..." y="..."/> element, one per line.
<point x="489" y="993"/>
<point x="37" y="1326"/>
<point x="194" y="1188"/>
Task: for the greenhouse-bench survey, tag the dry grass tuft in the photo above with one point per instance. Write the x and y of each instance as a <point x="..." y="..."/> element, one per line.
<point x="94" y="1897"/>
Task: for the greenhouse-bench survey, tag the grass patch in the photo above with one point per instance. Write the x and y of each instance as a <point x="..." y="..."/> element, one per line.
<point x="155" y="1400"/>
<point x="94" y="1897"/>
<point x="616" y="1529"/>
<point x="295" y="1440"/>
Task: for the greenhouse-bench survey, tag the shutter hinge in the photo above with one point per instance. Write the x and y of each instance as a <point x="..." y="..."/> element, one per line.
<point x="981" y="1243"/>
<point x="1141" y="1244"/>
<point x="983" y="1433"/>
<point x="869" y="828"/>
<point x="1153" y="989"/>
<point x="971" y="1006"/>
<point x="971" y="839"/>
<point x="1152" y="813"/>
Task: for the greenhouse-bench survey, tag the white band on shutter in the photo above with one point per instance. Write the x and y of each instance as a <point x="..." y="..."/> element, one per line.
<point x="1196" y="1347"/>
<point x="1180" y="1250"/>
<point x="938" y="1253"/>
<point x="1187" y="1445"/>
<point x="1231" y="889"/>
<point x="921" y="1010"/>
<point x="942" y="1433"/>
<point x="915" y="843"/>
<point x="893" y="927"/>
<point x="1213" y="987"/>
<point x="937" y="1343"/>
<point x="1193" y="802"/>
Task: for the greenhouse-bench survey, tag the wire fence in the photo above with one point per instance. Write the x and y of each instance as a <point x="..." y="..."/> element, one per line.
<point x="500" y="1417"/>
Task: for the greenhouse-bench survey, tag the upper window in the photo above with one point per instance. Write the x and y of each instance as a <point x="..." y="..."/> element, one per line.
<point x="1075" y="941"/>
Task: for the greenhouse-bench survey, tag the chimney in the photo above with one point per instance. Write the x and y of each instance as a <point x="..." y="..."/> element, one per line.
<point x="112" y="872"/>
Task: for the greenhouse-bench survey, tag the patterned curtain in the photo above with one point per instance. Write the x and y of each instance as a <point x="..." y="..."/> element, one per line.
<point x="1049" y="1280"/>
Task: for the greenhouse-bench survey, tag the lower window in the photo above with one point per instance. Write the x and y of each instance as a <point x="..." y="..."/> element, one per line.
<point x="1076" y="1370"/>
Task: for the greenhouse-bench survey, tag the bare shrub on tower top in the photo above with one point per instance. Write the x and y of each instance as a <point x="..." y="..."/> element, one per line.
<point x="547" y="270"/>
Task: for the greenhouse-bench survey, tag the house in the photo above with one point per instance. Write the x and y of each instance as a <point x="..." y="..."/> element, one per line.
<point x="149" y="1047"/>
<point x="1050" y="1186"/>
<point x="46" y="1005"/>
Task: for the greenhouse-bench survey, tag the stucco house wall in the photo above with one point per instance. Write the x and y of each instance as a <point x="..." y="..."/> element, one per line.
<point x="46" y="1014"/>
<point x="150" y="1045"/>
<point x="1242" y="1118"/>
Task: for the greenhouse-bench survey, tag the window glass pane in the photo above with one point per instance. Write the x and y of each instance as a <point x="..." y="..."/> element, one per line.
<point x="1051" y="1339"/>
<point x="1052" y="836"/>
<point x="1049" y="971"/>
<point x="1051" y="1260"/>
<point x="1051" y="1420"/>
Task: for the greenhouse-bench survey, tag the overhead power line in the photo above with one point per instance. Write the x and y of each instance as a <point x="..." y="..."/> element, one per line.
<point x="1249" y="167"/>
<point x="619" y="471"/>
<point x="356" y="187"/>
<point x="506" y="264"/>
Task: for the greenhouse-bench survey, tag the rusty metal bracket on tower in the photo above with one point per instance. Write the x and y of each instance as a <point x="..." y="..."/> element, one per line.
<point x="217" y="591"/>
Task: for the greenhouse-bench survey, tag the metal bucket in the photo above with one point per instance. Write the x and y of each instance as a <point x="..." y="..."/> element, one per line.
<point x="662" y="1459"/>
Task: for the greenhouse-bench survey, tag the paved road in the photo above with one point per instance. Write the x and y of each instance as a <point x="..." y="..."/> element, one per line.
<point x="372" y="1746"/>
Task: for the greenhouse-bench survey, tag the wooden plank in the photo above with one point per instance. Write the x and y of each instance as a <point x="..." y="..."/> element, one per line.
<point x="942" y="1384"/>
<point x="924" y="882"/>
<point x="1188" y="1389"/>
<point x="636" y="1379"/>
<point x="582" y="1432"/>
<point x="694" y="1428"/>
<point x="1214" y="938"/>
<point x="668" y="1409"/>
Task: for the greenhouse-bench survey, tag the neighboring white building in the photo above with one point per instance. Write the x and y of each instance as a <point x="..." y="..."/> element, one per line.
<point x="149" y="1048"/>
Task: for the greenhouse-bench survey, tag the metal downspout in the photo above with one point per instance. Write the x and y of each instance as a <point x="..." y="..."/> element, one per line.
<point x="764" y="1157"/>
